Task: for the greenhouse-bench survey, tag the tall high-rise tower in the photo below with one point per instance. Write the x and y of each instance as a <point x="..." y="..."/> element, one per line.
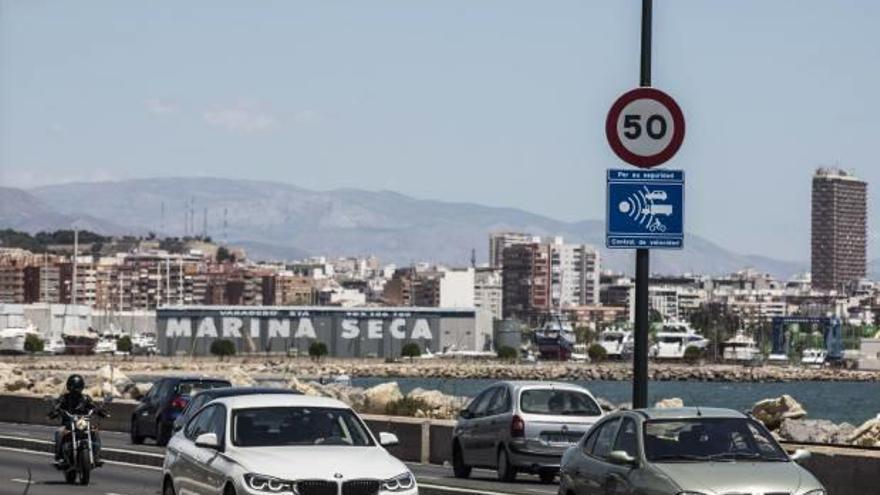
<point x="839" y="229"/>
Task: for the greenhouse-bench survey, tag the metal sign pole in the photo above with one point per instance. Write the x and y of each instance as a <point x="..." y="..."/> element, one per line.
<point x="640" y="351"/>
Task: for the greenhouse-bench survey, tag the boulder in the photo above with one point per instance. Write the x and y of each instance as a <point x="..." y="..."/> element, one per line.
<point x="52" y="385"/>
<point x="240" y="377"/>
<point x="606" y="405"/>
<point x="111" y="374"/>
<point x="672" y="403"/>
<point x="772" y="412"/>
<point x="867" y="435"/>
<point x="379" y="396"/>
<point x="815" y="431"/>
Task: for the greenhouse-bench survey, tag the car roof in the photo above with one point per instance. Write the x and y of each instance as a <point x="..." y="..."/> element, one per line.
<point x="185" y="378"/>
<point x="689" y="413"/>
<point x="521" y="384"/>
<point x="278" y="400"/>
<point x="230" y="391"/>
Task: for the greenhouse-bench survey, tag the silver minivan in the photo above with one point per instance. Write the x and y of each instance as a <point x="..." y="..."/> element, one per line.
<point x="522" y="427"/>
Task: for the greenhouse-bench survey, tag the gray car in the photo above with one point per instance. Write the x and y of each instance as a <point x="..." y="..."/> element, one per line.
<point x="686" y="451"/>
<point x="521" y="427"/>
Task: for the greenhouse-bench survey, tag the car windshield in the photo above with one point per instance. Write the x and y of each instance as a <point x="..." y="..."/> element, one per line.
<point x="192" y="387"/>
<point x="558" y="403"/>
<point x="709" y="439"/>
<point x="279" y="426"/>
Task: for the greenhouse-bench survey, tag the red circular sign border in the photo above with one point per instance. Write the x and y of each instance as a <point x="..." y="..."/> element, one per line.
<point x="677" y="121"/>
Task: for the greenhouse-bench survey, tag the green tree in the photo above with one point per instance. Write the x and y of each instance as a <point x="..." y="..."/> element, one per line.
<point x="597" y="353"/>
<point x="654" y="316"/>
<point x="223" y="254"/>
<point x="584" y="334"/>
<point x="33" y="343"/>
<point x="317" y="350"/>
<point x="123" y="344"/>
<point x="222" y="348"/>
<point x="507" y="353"/>
<point x="411" y="350"/>
<point x="692" y="354"/>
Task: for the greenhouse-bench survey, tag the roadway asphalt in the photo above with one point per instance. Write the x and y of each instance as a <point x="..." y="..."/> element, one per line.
<point x="131" y="480"/>
<point x="17" y="467"/>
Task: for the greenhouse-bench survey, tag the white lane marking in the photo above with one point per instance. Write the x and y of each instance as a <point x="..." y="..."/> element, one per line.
<point x="19" y="480"/>
<point x="115" y="463"/>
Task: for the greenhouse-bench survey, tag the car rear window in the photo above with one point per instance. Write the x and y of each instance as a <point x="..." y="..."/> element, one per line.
<point x="556" y="402"/>
<point x="192" y="387"/>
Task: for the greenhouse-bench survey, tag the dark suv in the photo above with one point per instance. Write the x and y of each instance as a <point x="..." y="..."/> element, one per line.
<point x="205" y="396"/>
<point x="166" y="400"/>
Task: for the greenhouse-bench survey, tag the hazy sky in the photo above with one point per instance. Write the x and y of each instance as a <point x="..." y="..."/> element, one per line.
<point x="496" y="102"/>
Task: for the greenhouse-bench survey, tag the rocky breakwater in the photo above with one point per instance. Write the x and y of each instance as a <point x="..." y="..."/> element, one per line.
<point x="786" y="418"/>
<point x="250" y="367"/>
<point x="387" y="398"/>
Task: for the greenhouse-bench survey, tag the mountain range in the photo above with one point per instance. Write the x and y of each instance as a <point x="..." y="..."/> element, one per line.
<point x="274" y="220"/>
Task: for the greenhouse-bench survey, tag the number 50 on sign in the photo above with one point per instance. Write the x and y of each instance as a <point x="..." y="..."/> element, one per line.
<point x="645" y="127"/>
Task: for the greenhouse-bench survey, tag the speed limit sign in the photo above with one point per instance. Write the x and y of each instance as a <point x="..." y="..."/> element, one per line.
<point x="645" y="127"/>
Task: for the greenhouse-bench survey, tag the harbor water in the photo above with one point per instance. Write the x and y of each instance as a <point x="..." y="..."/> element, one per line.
<point x="851" y="402"/>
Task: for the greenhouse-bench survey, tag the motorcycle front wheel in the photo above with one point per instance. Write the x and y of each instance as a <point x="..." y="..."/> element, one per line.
<point x="85" y="469"/>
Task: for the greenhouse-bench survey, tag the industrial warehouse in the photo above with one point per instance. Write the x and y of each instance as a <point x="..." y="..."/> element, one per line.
<point x="347" y="332"/>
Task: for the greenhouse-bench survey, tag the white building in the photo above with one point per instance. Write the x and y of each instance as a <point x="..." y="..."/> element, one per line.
<point x="489" y="291"/>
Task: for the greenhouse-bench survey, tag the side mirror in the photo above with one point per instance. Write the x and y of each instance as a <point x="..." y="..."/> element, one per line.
<point x="465" y="414"/>
<point x="388" y="439"/>
<point x="800" y="455"/>
<point x="622" y="458"/>
<point x="208" y="441"/>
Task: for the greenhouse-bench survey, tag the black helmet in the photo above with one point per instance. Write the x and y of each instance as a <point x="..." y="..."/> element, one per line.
<point x="75" y="384"/>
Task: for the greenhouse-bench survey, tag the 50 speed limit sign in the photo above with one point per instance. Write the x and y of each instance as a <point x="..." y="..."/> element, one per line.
<point x="645" y="127"/>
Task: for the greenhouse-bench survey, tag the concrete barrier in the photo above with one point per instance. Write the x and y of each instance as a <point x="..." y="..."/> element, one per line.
<point x="843" y="471"/>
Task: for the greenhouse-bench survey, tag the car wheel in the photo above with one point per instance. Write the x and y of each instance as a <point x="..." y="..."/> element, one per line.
<point x="163" y="434"/>
<point x="168" y="488"/>
<point x="459" y="468"/>
<point x="506" y="472"/>
<point x="547" y="476"/>
<point x="136" y="437"/>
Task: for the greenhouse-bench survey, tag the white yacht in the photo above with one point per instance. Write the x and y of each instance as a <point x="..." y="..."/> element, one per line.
<point x="814" y="357"/>
<point x="741" y="348"/>
<point x="674" y="338"/>
<point x="12" y="339"/>
<point x="144" y="344"/>
<point x="615" y="341"/>
<point x="106" y="345"/>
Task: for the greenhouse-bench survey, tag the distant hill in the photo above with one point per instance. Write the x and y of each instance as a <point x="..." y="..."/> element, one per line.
<point x="21" y="210"/>
<point x="277" y="220"/>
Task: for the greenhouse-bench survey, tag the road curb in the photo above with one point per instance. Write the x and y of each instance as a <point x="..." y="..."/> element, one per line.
<point x="115" y="455"/>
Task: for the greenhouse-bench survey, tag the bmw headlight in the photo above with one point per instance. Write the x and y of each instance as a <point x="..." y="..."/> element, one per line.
<point x="268" y="484"/>
<point x="399" y="483"/>
<point x="816" y="492"/>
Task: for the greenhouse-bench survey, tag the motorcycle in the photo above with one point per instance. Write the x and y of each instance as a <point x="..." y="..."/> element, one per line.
<point x="77" y="448"/>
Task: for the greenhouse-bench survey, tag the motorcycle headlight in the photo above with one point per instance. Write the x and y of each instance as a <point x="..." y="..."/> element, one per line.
<point x="81" y="424"/>
<point x="816" y="492"/>
<point x="399" y="483"/>
<point x="269" y="484"/>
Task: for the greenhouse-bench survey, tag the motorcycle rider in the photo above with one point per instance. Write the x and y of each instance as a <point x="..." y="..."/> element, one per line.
<point x="75" y="402"/>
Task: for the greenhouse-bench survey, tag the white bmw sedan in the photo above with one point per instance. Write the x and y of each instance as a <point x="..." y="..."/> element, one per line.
<point x="281" y="445"/>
